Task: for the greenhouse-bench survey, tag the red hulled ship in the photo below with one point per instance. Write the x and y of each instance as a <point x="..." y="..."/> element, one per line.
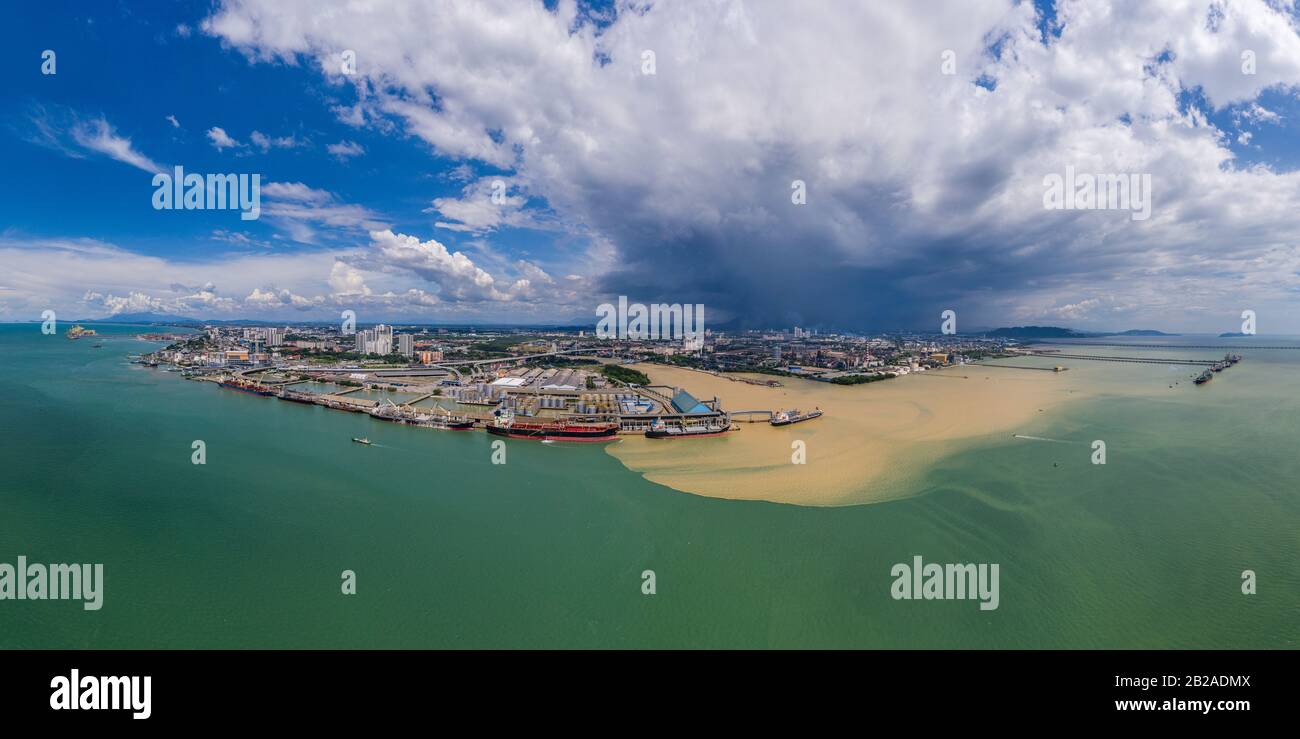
<point x="245" y="386"/>
<point x="505" y="424"/>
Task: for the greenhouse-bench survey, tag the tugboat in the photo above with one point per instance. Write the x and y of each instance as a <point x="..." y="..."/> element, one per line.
<point x="785" y="418"/>
<point x="661" y="430"/>
<point x="504" y="424"/>
<point x="362" y="440"/>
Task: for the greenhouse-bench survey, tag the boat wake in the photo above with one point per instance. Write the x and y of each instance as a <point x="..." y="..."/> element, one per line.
<point x="1043" y="438"/>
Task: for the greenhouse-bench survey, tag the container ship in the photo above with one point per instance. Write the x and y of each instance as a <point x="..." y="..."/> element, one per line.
<point x="660" y="430"/>
<point x="244" y="386"/>
<point x="505" y="424"/>
<point x="390" y="411"/>
<point x="785" y="418"/>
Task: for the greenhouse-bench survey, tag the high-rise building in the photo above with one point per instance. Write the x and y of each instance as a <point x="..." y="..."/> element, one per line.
<point x="383" y="339"/>
<point x="406" y="345"/>
<point x="377" y="340"/>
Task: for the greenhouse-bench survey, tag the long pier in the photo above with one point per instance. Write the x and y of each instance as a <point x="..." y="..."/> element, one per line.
<point x="1136" y="360"/>
<point x="1021" y="366"/>
<point x="1231" y="347"/>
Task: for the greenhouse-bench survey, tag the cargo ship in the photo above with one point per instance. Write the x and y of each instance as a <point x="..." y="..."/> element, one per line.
<point x="244" y="386"/>
<point x="661" y="430"/>
<point x="390" y="411"/>
<point x="785" y="418"/>
<point x="297" y="396"/>
<point x="505" y="424"/>
<point x="1204" y="377"/>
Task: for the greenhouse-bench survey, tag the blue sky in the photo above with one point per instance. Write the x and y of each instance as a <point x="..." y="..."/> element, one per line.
<point x="136" y="68"/>
<point x="924" y="184"/>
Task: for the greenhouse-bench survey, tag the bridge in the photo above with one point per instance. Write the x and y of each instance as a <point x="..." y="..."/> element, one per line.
<point x="763" y="415"/>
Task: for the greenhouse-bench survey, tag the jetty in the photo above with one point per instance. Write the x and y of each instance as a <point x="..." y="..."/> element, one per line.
<point x="1134" y="360"/>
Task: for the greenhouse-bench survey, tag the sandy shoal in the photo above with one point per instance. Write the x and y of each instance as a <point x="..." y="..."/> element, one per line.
<point x="871" y="445"/>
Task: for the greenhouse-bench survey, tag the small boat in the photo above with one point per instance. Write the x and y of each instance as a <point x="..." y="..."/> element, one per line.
<point x="362" y="440"/>
<point x="785" y="418"/>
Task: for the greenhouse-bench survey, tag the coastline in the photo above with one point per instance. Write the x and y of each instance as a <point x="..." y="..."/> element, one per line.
<point x="873" y="444"/>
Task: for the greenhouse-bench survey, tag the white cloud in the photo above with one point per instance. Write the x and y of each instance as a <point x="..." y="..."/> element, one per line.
<point x="484" y="206"/>
<point x="916" y="179"/>
<point x="266" y="143"/>
<point x="298" y="209"/>
<point x="454" y="272"/>
<point x="345" y="279"/>
<point x="99" y="136"/>
<point x="221" y="140"/>
<point x="345" y="150"/>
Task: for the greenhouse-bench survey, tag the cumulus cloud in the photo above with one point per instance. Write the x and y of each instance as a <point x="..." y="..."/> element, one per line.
<point x="458" y="278"/>
<point x="487" y="205"/>
<point x="345" y="150"/>
<point x="924" y="189"/>
<point x="266" y="143"/>
<point x="88" y="278"/>
<point x="221" y="140"/>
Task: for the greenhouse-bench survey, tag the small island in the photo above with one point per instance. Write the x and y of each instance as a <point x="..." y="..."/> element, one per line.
<point x="76" y="332"/>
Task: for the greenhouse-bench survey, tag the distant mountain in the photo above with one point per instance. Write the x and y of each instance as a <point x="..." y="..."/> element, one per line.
<point x="145" y="318"/>
<point x="1037" y="332"/>
<point x="1057" y="332"/>
<point x="1232" y="335"/>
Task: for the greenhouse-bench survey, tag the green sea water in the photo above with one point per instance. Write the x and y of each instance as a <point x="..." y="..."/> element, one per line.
<point x="548" y="549"/>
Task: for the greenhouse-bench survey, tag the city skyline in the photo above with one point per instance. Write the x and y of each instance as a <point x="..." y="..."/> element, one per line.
<point x="849" y="168"/>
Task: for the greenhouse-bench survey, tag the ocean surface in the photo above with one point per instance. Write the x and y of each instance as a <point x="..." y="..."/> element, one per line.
<point x="548" y="550"/>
